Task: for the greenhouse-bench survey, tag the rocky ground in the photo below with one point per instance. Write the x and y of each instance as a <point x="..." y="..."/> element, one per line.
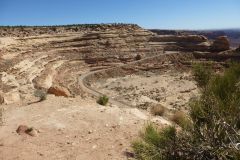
<point x="171" y="89"/>
<point x="71" y="128"/>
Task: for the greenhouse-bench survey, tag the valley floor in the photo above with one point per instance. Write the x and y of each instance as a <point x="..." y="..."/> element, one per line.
<point x="172" y="89"/>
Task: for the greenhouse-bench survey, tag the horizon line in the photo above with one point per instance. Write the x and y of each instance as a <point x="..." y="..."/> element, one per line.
<point x="121" y="23"/>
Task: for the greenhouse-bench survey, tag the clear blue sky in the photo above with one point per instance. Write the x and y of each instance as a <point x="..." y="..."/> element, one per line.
<point x="164" y="14"/>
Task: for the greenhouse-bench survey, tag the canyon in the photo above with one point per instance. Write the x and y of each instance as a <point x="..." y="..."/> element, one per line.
<point x="75" y="65"/>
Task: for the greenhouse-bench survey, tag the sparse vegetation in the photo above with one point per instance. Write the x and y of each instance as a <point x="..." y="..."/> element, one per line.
<point x="212" y="132"/>
<point x="158" y="110"/>
<point x="181" y="119"/>
<point x="155" y="144"/>
<point x="103" y="100"/>
<point x="41" y="94"/>
<point x="138" y="57"/>
<point x="202" y="74"/>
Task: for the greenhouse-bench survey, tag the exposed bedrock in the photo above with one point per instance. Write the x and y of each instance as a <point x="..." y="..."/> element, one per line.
<point x="42" y="57"/>
<point x="180" y="38"/>
<point x="220" y="44"/>
<point x="192" y="43"/>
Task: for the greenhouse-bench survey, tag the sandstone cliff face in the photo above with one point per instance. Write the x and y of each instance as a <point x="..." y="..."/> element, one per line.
<point x="58" y="57"/>
<point x="41" y="57"/>
<point x="220" y="44"/>
<point x="192" y="43"/>
<point x="180" y="38"/>
<point x="183" y="42"/>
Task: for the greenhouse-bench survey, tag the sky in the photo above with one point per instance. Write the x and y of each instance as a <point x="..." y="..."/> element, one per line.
<point x="151" y="14"/>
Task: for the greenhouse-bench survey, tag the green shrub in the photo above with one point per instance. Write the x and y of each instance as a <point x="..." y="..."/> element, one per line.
<point x="154" y="144"/>
<point x="213" y="131"/>
<point x="103" y="100"/>
<point x="202" y="74"/>
<point x="41" y="94"/>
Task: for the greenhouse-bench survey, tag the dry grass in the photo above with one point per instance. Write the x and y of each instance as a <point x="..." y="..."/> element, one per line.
<point x="178" y="117"/>
<point x="158" y="110"/>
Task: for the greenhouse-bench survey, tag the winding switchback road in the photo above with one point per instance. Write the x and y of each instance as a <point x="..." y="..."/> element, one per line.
<point x="83" y="83"/>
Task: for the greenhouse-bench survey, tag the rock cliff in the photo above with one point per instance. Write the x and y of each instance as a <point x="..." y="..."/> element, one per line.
<point x="43" y="57"/>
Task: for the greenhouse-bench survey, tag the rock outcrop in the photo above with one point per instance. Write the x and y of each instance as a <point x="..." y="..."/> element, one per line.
<point x="63" y="53"/>
<point x="59" y="91"/>
<point x="238" y="49"/>
<point x="220" y="44"/>
<point x="179" y="38"/>
<point x="41" y="57"/>
<point x="182" y="42"/>
<point x="191" y="43"/>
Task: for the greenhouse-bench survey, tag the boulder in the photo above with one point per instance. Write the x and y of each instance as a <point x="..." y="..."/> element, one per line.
<point x="23" y="129"/>
<point x="59" y="91"/>
<point x="32" y="132"/>
<point x="220" y="44"/>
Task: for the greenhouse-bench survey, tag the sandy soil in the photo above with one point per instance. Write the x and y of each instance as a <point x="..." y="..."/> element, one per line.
<point x="71" y="129"/>
<point x="5" y="41"/>
<point x="172" y="89"/>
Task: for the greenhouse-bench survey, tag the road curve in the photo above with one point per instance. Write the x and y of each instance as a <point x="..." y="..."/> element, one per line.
<point x="83" y="83"/>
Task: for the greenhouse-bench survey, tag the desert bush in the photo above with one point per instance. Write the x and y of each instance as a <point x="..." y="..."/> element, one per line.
<point x="154" y="144"/>
<point x="213" y="131"/>
<point x="181" y="119"/>
<point x="202" y="74"/>
<point x="158" y="110"/>
<point x="177" y="117"/>
<point x="103" y="100"/>
<point x="41" y="94"/>
<point x="138" y="57"/>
